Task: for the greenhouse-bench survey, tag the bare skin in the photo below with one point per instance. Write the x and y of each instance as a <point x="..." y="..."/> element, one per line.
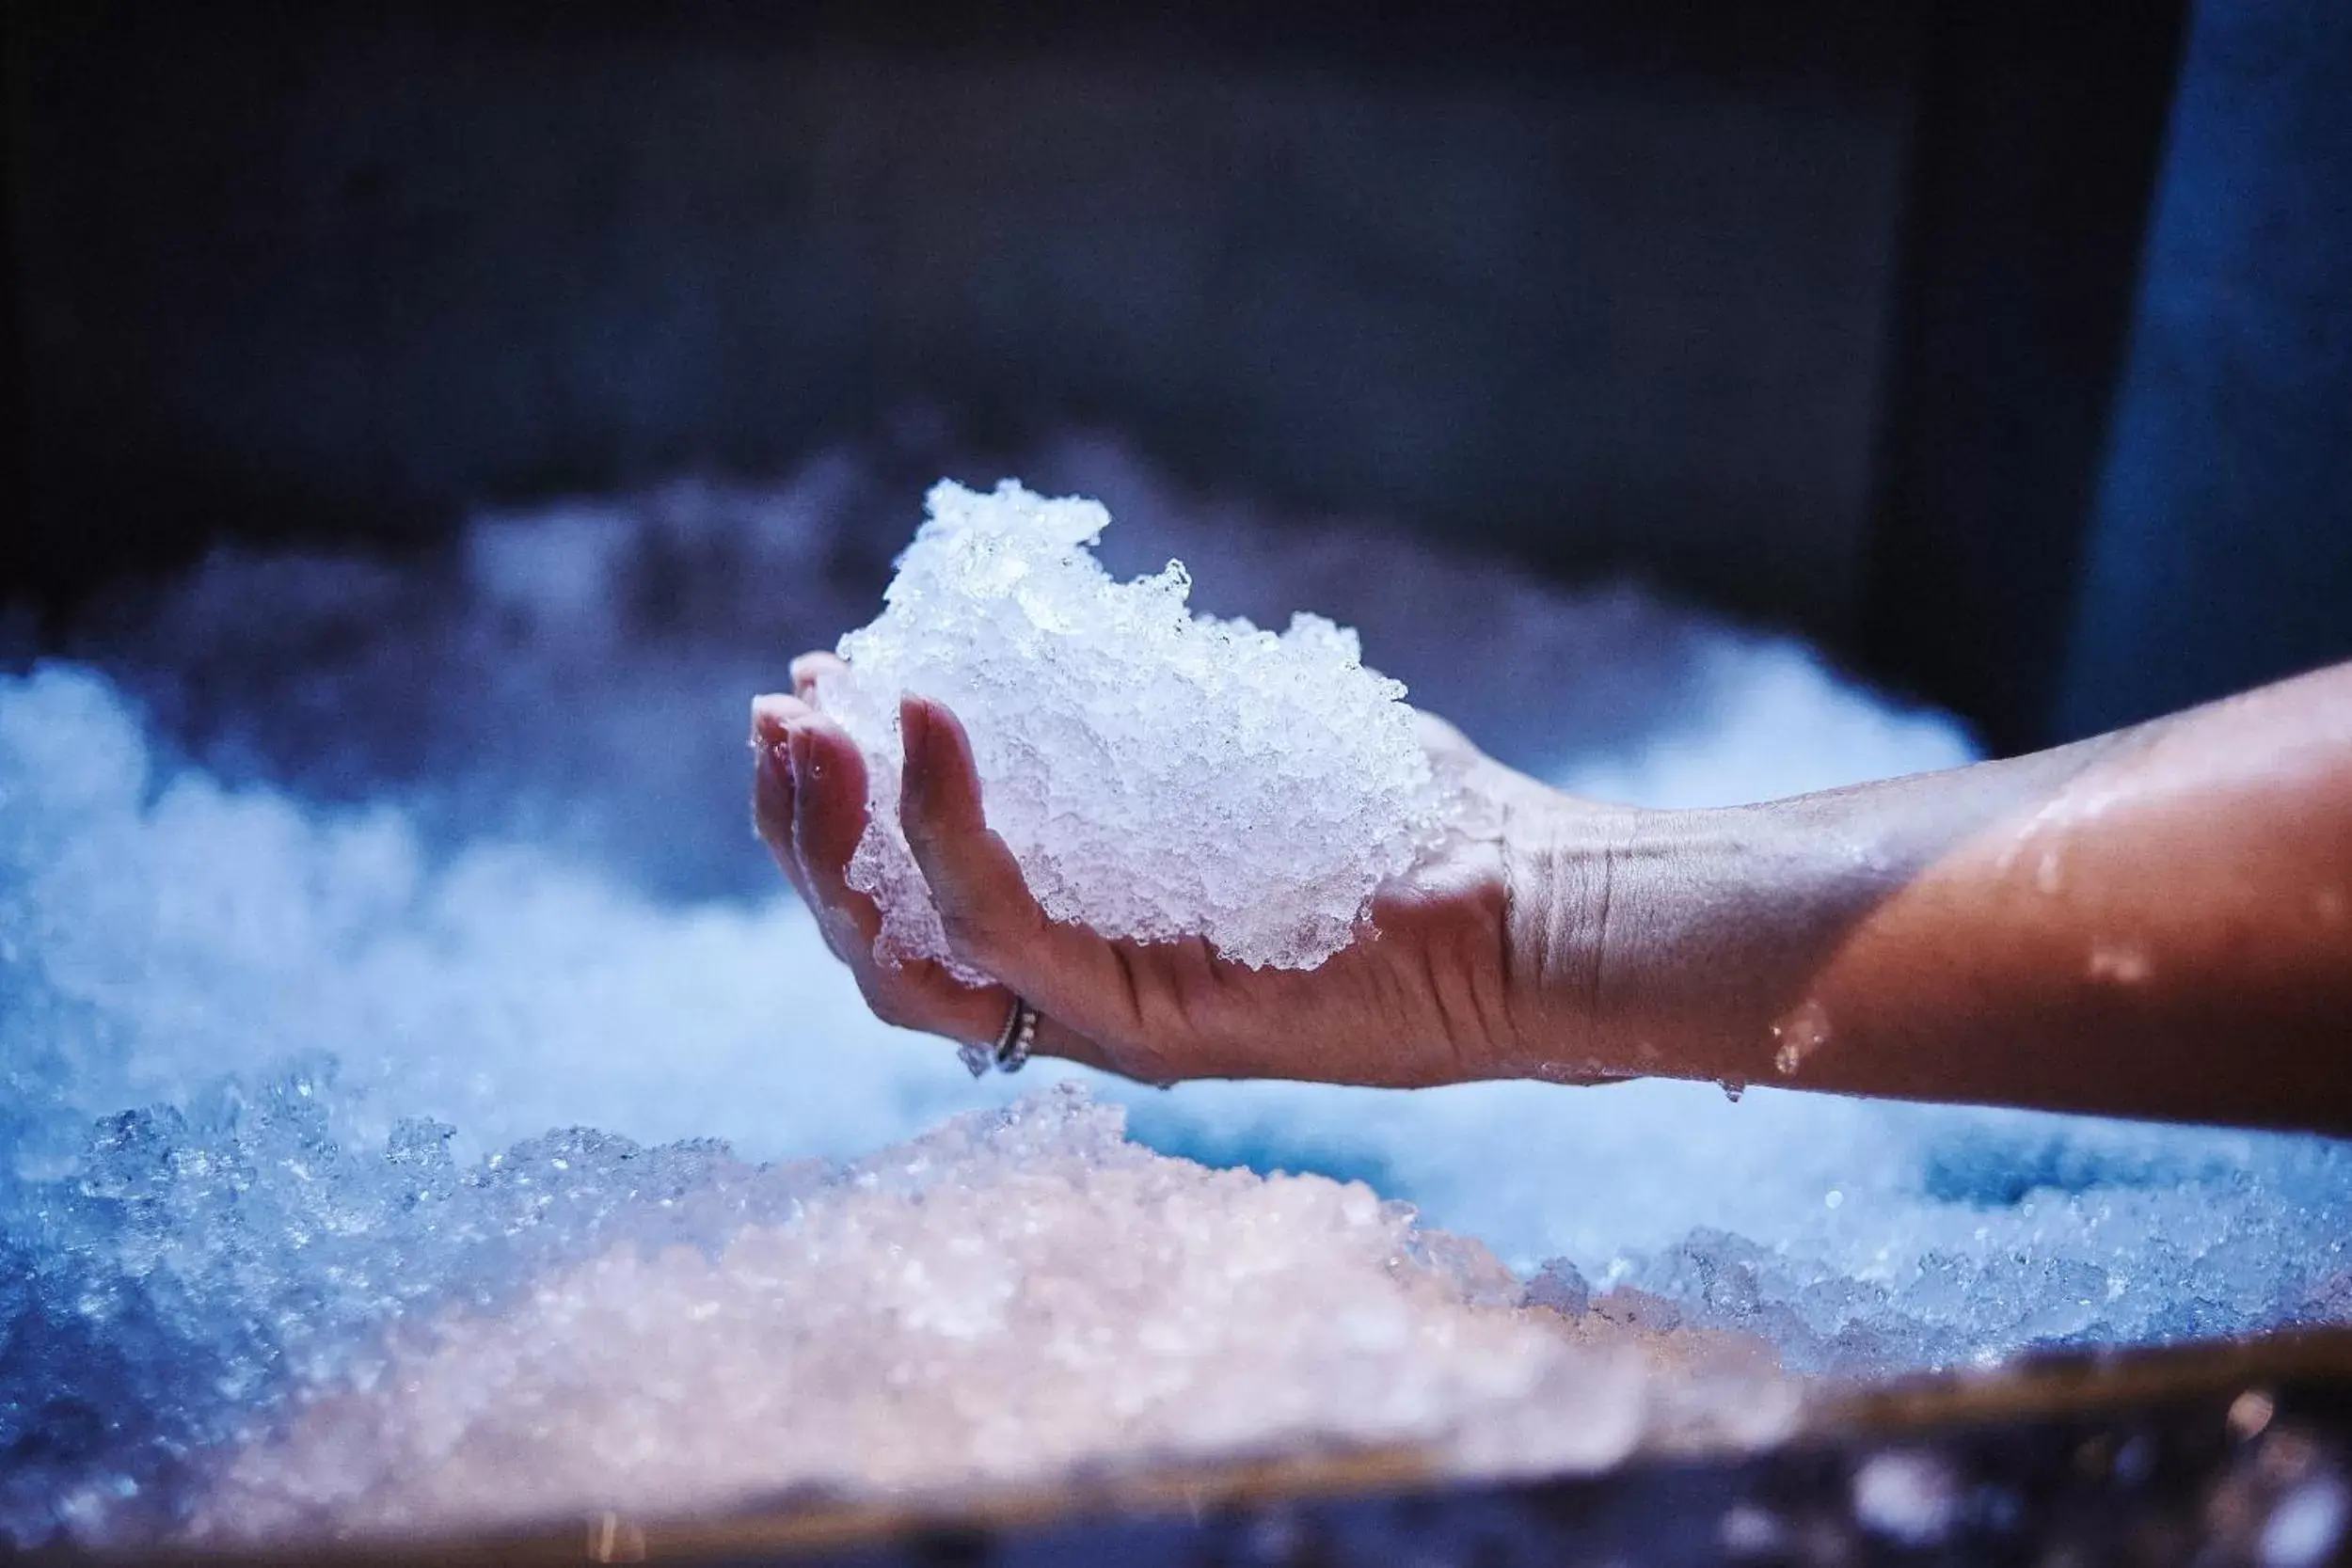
<point x="2155" y="923"/>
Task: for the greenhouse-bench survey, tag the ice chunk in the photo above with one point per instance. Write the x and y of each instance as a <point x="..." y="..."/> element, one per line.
<point x="1157" y="774"/>
<point x="1010" y="1295"/>
<point x="195" y="1267"/>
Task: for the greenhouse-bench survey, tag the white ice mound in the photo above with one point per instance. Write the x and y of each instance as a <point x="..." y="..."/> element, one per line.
<point x="1015" y="1296"/>
<point x="1158" y="774"/>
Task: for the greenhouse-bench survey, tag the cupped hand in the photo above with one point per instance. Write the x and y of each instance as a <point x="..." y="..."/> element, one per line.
<point x="1433" y="990"/>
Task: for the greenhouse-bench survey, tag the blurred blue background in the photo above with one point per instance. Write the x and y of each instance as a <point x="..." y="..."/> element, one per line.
<point x="2000" y="348"/>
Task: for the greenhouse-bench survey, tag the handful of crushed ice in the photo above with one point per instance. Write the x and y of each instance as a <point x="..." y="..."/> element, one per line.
<point x="1157" y="774"/>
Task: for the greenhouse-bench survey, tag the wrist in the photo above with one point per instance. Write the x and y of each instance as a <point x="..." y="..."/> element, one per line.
<point x="1574" y="872"/>
<point x="1663" y="942"/>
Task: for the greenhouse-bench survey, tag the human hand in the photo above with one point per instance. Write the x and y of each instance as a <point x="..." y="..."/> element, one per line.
<point x="1439" y="986"/>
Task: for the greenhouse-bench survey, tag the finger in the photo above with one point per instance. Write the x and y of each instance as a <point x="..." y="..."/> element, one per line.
<point x="815" y="842"/>
<point x="772" y="782"/>
<point x="922" y="995"/>
<point x="829" y="816"/>
<point x="980" y="1015"/>
<point x="771" y="712"/>
<point x="929" y="999"/>
<point x="984" y="903"/>
<point x="808" y="667"/>
<point x="771" y="811"/>
<point x="1059" y="1039"/>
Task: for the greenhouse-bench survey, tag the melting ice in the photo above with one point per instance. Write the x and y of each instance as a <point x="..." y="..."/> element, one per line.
<point x="370" y="937"/>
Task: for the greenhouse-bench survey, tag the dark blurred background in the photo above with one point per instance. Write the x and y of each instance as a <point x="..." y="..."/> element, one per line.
<point x="2005" y="350"/>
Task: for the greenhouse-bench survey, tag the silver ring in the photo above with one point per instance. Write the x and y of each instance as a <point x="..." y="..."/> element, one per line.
<point x="1018" y="1035"/>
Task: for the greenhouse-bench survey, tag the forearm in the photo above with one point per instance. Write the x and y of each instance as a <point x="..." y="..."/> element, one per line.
<point x="2157" y="923"/>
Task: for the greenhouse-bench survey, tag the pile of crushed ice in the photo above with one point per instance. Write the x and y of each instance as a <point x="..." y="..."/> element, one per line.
<point x="339" y="900"/>
<point x="1115" y="734"/>
<point x="1014" y="1295"/>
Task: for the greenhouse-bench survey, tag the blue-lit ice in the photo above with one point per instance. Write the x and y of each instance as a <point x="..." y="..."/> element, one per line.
<point x="1156" y="774"/>
<point x="1010" y="1295"/>
<point x="323" y="882"/>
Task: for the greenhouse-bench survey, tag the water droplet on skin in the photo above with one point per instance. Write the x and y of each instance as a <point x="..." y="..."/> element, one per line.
<point x="2122" y="963"/>
<point x="2249" y="1413"/>
<point x="1801" y="1032"/>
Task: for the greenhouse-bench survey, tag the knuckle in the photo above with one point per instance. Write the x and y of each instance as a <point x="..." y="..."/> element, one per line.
<point x="884" y="1002"/>
<point x="970" y="932"/>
